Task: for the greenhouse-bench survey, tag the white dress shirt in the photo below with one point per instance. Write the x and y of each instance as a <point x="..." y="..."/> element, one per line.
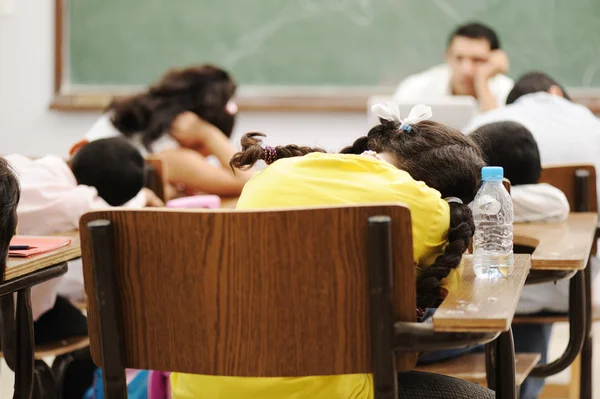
<point x="435" y="83"/>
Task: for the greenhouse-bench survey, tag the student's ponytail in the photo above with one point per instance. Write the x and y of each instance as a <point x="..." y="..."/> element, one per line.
<point x="430" y="293"/>
<point x="253" y="151"/>
<point x="380" y="133"/>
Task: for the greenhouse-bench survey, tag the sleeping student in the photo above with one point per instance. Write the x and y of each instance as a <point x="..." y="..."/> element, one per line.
<point x="512" y="146"/>
<point x="432" y="168"/>
<point x="54" y="195"/>
<point x="184" y="118"/>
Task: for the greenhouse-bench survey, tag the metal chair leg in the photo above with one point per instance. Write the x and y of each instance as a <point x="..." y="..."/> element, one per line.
<point x="506" y="387"/>
<point x="24" y="352"/>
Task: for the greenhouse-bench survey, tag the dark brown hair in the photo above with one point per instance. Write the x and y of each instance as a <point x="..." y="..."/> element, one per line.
<point x="10" y="193"/>
<point x="512" y="146"/>
<point x="204" y="90"/>
<point x="438" y="155"/>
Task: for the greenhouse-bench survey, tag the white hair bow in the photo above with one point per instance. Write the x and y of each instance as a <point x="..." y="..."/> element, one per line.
<point x="391" y="112"/>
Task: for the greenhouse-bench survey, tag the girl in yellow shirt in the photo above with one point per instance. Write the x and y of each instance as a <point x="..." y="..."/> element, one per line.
<point x="430" y="167"/>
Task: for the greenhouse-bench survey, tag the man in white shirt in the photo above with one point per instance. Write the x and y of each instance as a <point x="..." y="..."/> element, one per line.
<point x="475" y="66"/>
<point x="564" y="131"/>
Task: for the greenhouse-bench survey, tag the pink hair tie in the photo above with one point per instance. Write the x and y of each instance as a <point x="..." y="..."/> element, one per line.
<point x="270" y="155"/>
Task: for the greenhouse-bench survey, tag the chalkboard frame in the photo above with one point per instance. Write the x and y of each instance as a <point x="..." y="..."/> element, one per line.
<point x="311" y="99"/>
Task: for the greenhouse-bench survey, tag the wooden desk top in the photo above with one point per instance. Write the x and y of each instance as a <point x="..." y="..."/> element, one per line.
<point x="17" y="267"/>
<point x="481" y="304"/>
<point x="559" y="246"/>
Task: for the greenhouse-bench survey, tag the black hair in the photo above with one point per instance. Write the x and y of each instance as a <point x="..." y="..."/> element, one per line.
<point x="113" y="166"/>
<point x="204" y="90"/>
<point x="533" y="82"/>
<point x="442" y="157"/>
<point x="476" y="30"/>
<point x="10" y="193"/>
<point x="512" y="146"/>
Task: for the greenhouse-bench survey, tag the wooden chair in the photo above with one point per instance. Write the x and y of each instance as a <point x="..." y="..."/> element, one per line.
<point x="578" y="182"/>
<point x="256" y="294"/>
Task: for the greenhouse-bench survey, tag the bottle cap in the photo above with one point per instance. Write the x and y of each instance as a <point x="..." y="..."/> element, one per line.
<point x="492" y="173"/>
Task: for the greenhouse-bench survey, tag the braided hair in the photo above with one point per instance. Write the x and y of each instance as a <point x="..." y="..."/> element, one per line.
<point x="253" y="151"/>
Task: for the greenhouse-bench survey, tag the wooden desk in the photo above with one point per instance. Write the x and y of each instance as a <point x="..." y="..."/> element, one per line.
<point x="18" y="267"/>
<point x="482" y="304"/>
<point x="17" y="325"/>
<point x="559" y="246"/>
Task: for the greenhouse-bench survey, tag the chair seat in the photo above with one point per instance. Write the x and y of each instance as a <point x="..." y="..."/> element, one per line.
<point x="60" y="347"/>
<point x="547" y="319"/>
<point x="471" y="367"/>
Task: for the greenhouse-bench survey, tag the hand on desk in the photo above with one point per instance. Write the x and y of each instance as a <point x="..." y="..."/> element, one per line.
<point x="152" y="199"/>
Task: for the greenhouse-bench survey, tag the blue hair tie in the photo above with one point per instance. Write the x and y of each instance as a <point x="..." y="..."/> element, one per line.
<point x="406" y="128"/>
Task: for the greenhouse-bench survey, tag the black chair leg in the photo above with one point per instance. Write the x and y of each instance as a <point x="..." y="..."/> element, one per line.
<point x="586" y="378"/>
<point x="44" y="385"/>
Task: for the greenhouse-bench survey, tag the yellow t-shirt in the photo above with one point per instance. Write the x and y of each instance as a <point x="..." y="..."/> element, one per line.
<point x="327" y="179"/>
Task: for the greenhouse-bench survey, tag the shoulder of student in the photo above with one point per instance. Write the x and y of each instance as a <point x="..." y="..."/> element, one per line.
<point x="539" y="203"/>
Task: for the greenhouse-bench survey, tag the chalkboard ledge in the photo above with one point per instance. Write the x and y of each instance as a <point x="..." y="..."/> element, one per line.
<point x="299" y="102"/>
<point x="342" y="102"/>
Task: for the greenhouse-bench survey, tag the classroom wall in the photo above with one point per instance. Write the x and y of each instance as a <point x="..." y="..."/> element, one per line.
<point x="26" y="87"/>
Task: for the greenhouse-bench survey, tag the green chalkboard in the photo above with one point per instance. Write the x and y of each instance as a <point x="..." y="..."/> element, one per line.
<point x="338" y="43"/>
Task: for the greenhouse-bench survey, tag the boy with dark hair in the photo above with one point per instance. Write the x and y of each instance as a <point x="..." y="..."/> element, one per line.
<point x="55" y="194"/>
<point x="512" y="146"/>
<point x="533" y="82"/>
<point x="475" y="66"/>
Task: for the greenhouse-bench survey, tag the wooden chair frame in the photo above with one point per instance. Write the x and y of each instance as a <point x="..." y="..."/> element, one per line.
<point x="390" y="331"/>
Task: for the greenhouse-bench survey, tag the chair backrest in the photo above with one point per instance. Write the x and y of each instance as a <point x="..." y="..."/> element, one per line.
<point x="155" y="177"/>
<point x="265" y="293"/>
<point x="578" y="182"/>
<point x="506" y="184"/>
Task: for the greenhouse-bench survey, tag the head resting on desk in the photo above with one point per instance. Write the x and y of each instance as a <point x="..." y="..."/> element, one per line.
<point x="112" y="166"/>
<point x="204" y="90"/>
<point x="534" y="82"/>
<point x="438" y="155"/>
<point x="10" y="192"/>
<point x="512" y="146"/>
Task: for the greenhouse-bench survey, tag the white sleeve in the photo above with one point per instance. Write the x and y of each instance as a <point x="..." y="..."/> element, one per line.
<point x="539" y="203"/>
<point x="501" y="88"/>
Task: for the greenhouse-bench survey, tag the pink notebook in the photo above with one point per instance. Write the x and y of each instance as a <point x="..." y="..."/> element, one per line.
<point x="37" y="245"/>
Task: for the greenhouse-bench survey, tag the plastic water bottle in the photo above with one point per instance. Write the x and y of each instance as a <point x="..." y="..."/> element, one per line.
<point x="493" y="214"/>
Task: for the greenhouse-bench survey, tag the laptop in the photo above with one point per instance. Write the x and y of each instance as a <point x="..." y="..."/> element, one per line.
<point x="455" y="111"/>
